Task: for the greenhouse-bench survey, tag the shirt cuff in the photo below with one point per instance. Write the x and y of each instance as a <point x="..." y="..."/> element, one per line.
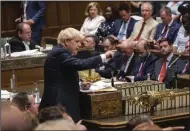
<point x="103" y="56"/>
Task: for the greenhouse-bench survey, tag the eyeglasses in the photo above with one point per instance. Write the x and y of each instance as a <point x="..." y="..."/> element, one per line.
<point x="27" y="33"/>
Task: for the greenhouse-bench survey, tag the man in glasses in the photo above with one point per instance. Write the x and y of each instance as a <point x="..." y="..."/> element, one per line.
<point x="23" y="40"/>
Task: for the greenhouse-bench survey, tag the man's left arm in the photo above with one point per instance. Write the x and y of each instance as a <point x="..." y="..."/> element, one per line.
<point x="40" y="12"/>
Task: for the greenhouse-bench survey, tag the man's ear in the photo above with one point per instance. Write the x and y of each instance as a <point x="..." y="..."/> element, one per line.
<point x="66" y="43"/>
<point x="19" y="33"/>
<point x="27" y="107"/>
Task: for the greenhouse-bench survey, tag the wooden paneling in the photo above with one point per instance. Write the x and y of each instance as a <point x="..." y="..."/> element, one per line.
<point x="58" y="15"/>
<point x="24" y="76"/>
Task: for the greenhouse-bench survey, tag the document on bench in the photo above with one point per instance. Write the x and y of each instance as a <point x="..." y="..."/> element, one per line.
<point x="26" y="53"/>
<point x="102" y="85"/>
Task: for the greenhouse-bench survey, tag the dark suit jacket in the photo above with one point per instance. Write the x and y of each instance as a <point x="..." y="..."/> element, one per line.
<point x="130" y="68"/>
<point x="172" y="34"/>
<point x="113" y="64"/>
<point x="61" y="80"/>
<point x="170" y="72"/>
<point x="147" y="68"/>
<point x="117" y="25"/>
<point x="35" y="10"/>
<point x="17" y="45"/>
<point x="87" y="53"/>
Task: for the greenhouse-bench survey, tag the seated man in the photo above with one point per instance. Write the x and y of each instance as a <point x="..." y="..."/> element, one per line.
<point x="90" y="43"/>
<point x="114" y="63"/>
<point x="25" y="102"/>
<point x="129" y="60"/>
<point x="123" y="27"/>
<point x="167" y="66"/>
<point x="145" y="62"/>
<point x="168" y="28"/>
<point x="145" y="28"/>
<point x="11" y="117"/>
<point x="23" y="40"/>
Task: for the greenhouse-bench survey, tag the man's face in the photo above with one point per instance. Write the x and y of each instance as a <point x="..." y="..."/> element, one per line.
<point x="25" y="35"/>
<point x="73" y="45"/>
<point x="124" y="15"/>
<point x="33" y="108"/>
<point x="165" y="18"/>
<point x="165" y="48"/>
<point x="142" y="52"/>
<point x="146" y="11"/>
<point x="108" y="46"/>
<point x="89" y="42"/>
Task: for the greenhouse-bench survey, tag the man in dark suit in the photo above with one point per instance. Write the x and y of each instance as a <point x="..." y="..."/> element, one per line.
<point x="145" y="62"/>
<point x="90" y="43"/>
<point x="167" y="66"/>
<point x="112" y="66"/>
<point x="123" y="27"/>
<point x="168" y="28"/>
<point x="23" y="40"/>
<point x="32" y="13"/>
<point x="129" y="60"/>
<point x="61" y="79"/>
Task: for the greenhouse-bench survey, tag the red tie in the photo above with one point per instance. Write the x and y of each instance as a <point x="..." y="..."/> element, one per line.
<point x="185" y="68"/>
<point x="163" y="71"/>
<point x="141" y="30"/>
<point x="141" y="69"/>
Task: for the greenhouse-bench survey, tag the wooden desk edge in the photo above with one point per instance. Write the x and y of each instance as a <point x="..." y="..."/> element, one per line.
<point x="123" y="123"/>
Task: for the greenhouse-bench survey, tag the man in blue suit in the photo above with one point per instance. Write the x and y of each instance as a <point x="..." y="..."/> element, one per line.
<point x="123" y="27"/>
<point x="144" y="63"/>
<point x="33" y="12"/>
<point x="169" y="28"/>
<point x="168" y="65"/>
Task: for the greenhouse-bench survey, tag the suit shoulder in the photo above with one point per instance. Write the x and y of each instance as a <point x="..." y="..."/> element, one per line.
<point x="117" y="21"/>
<point x="15" y="40"/>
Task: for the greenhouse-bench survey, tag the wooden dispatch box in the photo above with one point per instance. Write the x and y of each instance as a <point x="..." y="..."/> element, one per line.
<point x="100" y="105"/>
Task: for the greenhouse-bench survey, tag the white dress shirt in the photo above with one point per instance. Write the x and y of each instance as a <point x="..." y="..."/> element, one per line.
<point x="128" y="62"/>
<point x="169" y="25"/>
<point x="25" y="5"/>
<point x="125" y="32"/>
<point x="26" y="44"/>
<point x="90" y="26"/>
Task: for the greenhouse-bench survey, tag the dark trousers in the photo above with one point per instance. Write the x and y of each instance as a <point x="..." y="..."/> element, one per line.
<point x="36" y="35"/>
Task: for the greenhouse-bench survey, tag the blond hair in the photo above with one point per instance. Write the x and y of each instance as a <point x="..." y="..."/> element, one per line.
<point x="68" y="34"/>
<point x="56" y="125"/>
<point x="93" y="4"/>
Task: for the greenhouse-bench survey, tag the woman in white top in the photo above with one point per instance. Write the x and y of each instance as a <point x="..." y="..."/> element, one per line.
<point x="173" y="5"/>
<point x="94" y="19"/>
<point x="181" y="41"/>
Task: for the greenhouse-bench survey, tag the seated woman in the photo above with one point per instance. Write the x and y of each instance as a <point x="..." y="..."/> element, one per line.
<point x="93" y="20"/>
<point x="112" y="64"/>
<point x="173" y="5"/>
<point x="104" y="30"/>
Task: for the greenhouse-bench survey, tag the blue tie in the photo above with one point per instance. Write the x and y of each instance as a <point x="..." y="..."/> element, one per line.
<point x="122" y="32"/>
